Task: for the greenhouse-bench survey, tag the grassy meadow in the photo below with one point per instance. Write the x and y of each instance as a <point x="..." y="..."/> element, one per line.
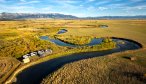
<point x="21" y="37"/>
<point x="110" y="69"/>
<point x="132" y="29"/>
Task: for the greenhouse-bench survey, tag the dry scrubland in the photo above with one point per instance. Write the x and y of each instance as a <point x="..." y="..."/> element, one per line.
<point x="21" y="37"/>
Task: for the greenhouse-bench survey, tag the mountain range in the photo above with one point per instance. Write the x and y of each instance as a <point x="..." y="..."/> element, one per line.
<point x="11" y="16"/>
<point x="15" y="16"/>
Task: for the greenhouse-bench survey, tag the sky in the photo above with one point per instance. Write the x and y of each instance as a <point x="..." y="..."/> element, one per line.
<point x="80" y="8"/>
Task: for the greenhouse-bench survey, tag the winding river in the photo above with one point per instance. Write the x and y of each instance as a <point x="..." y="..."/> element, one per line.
<point x="35" y="74"/>
<point x="94" y="41"/>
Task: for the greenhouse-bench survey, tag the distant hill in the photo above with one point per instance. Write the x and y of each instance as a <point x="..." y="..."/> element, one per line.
<point x="11" y="16"/>
<point x="118" y="17"/>
<point x="14" y="16"/>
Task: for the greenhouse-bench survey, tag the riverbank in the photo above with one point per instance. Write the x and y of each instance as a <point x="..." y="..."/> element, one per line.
<point x="116" y="68"/>
<point x="49" y="58"/>
<point x="9" y="80"/>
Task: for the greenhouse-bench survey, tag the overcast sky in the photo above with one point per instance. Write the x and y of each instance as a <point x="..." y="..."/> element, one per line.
<point x="81" y="8"/>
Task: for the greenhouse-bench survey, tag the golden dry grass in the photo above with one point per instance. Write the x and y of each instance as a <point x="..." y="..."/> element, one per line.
<point x="7" y="66"/>
<point x="23" y="32"/>
<point x="111" y="69"/>
<point x="106" y="70"/>
<point x="132" y="29"/>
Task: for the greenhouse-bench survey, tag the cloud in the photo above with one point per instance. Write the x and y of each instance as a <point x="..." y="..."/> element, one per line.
<point x="136" y="0"/>
<point x="91" y="8"/>
<point x="67" y="4"/>
<point x="2" y="0"/>
<point x="22" y="9"/>
<point x="120" y="5"/>
<point x="91" y="0"/>
<point x="81" y="5"/>
<point x="22" y="0"/>
<point x="102" y="2"/>
<point x="102" y="8"/>
<point x="66" y="1"/>
<point x="13" y="8"/>
<point x="142" y="7"/>
<point x="48" y="8"/>
<point x="75" y="7"/>
<point x="28" y="2"/>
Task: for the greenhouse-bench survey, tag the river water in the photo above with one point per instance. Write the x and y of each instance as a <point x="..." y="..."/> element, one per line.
<point x="36" y="73"/>
<point x="94" y="41"/>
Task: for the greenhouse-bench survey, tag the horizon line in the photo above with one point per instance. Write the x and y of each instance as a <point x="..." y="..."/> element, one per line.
<point x="71" y="14"/>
